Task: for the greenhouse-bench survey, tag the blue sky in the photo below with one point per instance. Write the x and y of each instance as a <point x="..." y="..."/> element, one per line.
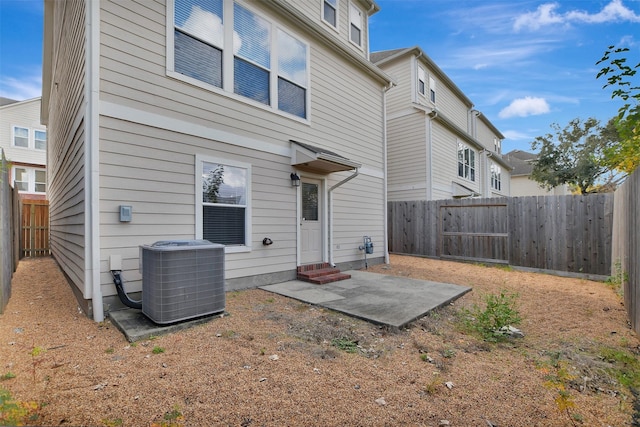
<point x="525" y="64"/>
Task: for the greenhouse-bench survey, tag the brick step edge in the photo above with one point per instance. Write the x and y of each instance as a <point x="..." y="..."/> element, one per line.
<point x="321" y="280"/>
<point x="317" y="273"/>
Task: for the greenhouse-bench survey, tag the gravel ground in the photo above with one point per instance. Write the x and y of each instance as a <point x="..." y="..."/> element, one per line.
<point x="273" y="361"/>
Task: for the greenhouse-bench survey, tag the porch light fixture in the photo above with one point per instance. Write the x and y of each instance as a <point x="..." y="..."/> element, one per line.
<point x="295" y="179"/>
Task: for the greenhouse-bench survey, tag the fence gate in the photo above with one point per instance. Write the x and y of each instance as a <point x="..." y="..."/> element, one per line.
<point x="34" y="236"/>
<point x="474" y="232"/>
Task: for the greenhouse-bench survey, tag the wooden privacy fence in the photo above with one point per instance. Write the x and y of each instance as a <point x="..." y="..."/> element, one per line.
<point x="625" y="262"/>
<point x="34" y="238"/>
<point x="558" y="233"/>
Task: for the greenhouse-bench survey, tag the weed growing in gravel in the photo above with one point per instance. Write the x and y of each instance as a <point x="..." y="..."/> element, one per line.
<point x="625" y="366"/>
<point x="158" y="350"/>
<point x="172" y="418"/>
<point x="14" y="412"/>
<point x="7" y="376"/>
<point x="557" y="378"/>
<point x="499" y="312"/>
<point x="112" y="423"/>
<point x="619" y="277"/>
<point x="110" y="350"/>
<point x="345" y="344"/>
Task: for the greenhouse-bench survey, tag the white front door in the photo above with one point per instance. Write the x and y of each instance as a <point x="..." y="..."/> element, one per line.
<point x="311" y="245"/>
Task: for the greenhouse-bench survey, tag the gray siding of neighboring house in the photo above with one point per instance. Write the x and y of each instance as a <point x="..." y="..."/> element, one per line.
<point x="24" y="114"/>
<point x="148" y="150"/>
<point x="407" y="157"/>
<point x="66" y="143"/>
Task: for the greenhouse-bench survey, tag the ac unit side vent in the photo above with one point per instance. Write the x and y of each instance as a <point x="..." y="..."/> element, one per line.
<point x="182" y="279"/>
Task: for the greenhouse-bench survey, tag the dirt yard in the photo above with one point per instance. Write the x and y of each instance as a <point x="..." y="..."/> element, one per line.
<point x="273" y="361"/>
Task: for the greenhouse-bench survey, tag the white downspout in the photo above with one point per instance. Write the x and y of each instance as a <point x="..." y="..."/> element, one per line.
<point x="385" y="197"/>
<point x="330" y="219"/>
<point x="92" y="165"/>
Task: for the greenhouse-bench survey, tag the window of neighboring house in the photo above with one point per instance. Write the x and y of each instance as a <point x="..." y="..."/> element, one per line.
<point x="432" y="90"/>
<point x="199" y="39"/>
<point x="20" y="137"/>
<point x="497" y="144"/>
<point x="466" y="162"/>
<point x="422" y="86"/>
<point x="355" y="20"/>
<point x="496" y="178"/>
<point x="40" y="181"/>
<point x="21" y="179"/>
<point x="225" y="190"/>
<point x="330" y="12"/>
<point x="270" y="66"/>
<point x="40" y="140"/>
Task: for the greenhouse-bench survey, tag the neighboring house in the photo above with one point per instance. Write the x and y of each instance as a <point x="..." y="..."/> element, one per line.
<point x="193" y="117"/>
<point x="24" y="141"/>
<point x="521" y="182"/>
<point x="439" y="146"/>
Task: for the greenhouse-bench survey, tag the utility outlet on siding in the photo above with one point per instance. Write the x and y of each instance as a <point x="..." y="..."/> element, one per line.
<point x="115" y="262"/>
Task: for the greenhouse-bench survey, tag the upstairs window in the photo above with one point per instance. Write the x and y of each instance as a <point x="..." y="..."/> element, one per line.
<point x="497" y="144"/>
<point x="422" y="87"/>
<point x="432" y="90"/>
<point x="20" y="137"/>
<point x="330" y="12"/>
<point x="261" y="61"/>
<point x="199" y="40"/>
<point x="466" y="162"/>
<point x="21" y="179"/>
<point x="496" y="177"/>
<point x="29" y="180"/>
<point x="40" y="140"/>
<point x="224" y="196"/>
<point x="40" y="181"/>
<point x="355" y="25"/>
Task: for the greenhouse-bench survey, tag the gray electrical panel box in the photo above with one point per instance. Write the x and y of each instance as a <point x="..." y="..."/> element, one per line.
<point x="182" y="279"/>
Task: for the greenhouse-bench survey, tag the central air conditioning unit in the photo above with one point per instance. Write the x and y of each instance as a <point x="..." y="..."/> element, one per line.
<point x="182" y="279"/>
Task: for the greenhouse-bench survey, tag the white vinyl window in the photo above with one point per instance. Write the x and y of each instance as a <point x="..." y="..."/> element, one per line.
<point x="40" y="140"/>
<point x="497" y="144"/>
<point x="224" y="189"/>
<point x="20" y="137"/>
<point x="330" y="12"/>
<point x="30" y="180"/>
<point x="466" y="162"/>
<point x="355" y="24"/>
<point x="263" y="62"/>
<point x="496" y="177"/>
<point x="422" y="86"/>
<point x="432" y="90"/>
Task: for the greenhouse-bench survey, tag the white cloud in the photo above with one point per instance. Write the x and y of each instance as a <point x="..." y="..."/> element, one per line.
<point x="26" y="87"/>
<point x="544" y="15"/>
<point x="523" y="107"/>
<point x="516" y="135"/>
<point x="547" y="14"/>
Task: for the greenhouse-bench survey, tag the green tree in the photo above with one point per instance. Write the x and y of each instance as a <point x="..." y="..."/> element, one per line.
<point x="575" y="156"/>
<point x="625" y="156"/>
<point x="211" y="184"/>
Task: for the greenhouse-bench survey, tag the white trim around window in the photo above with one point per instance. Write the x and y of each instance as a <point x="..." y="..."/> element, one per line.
<point x="287" y="66"/>
<point x="330" y="13"/>
<point x="356" y="25"/>
<point x="466" y="161"/>
<point x="496" y="176"/>
<point x="29" y="180"/>
<point x="29" y="139"/>
<point x="422" y="81"/>
<point x="237" y="183"/>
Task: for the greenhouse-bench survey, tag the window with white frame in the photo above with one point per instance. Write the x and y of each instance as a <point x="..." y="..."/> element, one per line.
<point x="330" y="12"/>
<point x="422" y="86"/>
<point x="496" y="177"/>
<point x="40" y="140"/>
<point x="497" y="144"/>
<point x="466" y="162"/>
<point x="20" y="137"/>
<point x="224" y="188"/>
<point x="30" y="180"/>
<point x="270" y="65"/>
<point x="432" y="90"/>
<point x="355" y="24"/>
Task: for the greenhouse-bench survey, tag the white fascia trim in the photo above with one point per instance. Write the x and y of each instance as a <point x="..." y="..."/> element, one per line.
<point x="159" y="121"/>
<point x="92" y="160"/>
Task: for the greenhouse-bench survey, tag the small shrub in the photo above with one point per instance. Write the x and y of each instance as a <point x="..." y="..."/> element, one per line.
<point x="14" y="412"/>
<point x="499" y="312"/>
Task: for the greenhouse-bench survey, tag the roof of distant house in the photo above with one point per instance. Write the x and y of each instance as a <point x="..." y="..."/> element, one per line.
<point x="6" y="101"/>
<point x="521" y="162"/>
